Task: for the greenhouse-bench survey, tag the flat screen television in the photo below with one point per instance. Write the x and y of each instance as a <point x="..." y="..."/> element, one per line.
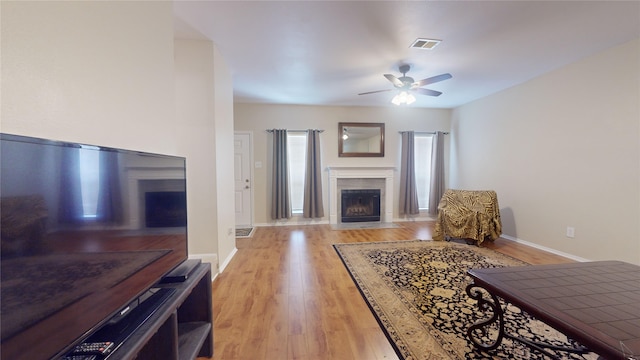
<point x="85" y="230"/>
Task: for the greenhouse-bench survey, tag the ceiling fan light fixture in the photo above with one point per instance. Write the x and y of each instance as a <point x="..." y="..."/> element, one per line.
<point x="405" y="85"/>
<point x="403" y="97"/>
<point x="426" y="44"/>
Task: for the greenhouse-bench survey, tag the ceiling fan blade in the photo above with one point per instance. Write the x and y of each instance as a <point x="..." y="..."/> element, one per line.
<point x="433" y="79"/>
<point x="394" y="80"/>
<point x="428" y="92"/>
<point x="373" y="92"/>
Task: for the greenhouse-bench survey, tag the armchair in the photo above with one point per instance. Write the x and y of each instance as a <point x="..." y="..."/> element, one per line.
<point x="468" y="214"/>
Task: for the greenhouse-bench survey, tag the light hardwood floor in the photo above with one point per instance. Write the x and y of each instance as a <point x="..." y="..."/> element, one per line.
<point x="287" y="295"/>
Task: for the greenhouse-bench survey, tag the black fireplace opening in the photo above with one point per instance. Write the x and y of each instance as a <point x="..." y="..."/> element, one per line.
<point x="360" y="205"/>
<point x="165" y="209"/>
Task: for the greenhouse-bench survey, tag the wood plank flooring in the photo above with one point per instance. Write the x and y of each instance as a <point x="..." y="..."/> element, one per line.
<point x="287" y="295"/>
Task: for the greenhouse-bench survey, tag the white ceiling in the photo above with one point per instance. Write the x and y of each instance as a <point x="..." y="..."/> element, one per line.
<point x="326" y="52"/>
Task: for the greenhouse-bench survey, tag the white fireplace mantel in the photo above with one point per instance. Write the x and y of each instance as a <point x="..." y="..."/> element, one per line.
<point x="352" y="172"/>
<point x="134" y="176"/>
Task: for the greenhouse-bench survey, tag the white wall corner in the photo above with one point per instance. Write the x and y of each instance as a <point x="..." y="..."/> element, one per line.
<point x="228" y="259"/>
<point x="208" y="258"/>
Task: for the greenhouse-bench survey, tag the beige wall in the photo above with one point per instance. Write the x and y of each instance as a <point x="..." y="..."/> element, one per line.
<point x="204" y="104"/>
<point x="104" y="73"/>
<point x="77" y="71"/>
<point x="561" y="150"/>
<point x="224" y="161"/>
<point x="256" y="118"/>
<point x="194" y="112"/>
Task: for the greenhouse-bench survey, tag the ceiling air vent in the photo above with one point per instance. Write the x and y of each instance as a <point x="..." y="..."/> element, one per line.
<point x="427" y="44"/>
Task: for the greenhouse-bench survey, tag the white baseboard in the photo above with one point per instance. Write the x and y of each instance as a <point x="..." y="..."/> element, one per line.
<point x="228" y="259"/>
<point x="414" y="219"/>
<point x="208" y="258"/>
<point x="428" y="218"/>
<point x="544" y="248"/>
<point x="294" y="222"/>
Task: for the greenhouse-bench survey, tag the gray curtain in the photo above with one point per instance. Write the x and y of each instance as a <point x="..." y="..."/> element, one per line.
<point x="110" y="202"/>
<point x="436" y="189"/>
<point x="70" y="202"/>
<point x="408" y="191"/>
<point x="280" y="201"/>
<point x="312" y="205"/>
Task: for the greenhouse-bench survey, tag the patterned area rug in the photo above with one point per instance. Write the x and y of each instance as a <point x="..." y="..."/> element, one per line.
<point x="30" y="291"/>
<point x="416" y="290"/>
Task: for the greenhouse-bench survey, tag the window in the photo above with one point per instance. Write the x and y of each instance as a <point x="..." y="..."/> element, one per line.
<point x="297" y="153"/>
<point x="422" y="155"/>
<point x="89" y="181"/>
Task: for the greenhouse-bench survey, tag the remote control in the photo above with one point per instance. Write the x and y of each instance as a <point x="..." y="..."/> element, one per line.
<point x="80" y="357"/>
<point x="99" y="348"/>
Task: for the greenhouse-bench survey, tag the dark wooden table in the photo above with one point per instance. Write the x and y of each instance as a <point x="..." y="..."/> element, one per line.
<point x="594" y="303"/>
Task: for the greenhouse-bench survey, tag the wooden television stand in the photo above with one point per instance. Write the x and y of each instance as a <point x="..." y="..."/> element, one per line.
<point x="181" y="328"/>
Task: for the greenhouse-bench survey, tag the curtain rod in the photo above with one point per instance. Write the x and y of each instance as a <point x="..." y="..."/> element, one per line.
<point x="424" y="132"/>
<point x="271" y="130"/>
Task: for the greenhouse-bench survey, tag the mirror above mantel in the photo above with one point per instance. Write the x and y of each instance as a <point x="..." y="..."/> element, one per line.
<point x="360" y="139"/>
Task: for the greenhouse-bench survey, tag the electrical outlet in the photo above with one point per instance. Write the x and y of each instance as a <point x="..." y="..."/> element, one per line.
<point x="571" y="232"/>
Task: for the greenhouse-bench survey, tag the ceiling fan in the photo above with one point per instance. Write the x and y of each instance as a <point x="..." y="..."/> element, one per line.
<point x="406" y="85"/>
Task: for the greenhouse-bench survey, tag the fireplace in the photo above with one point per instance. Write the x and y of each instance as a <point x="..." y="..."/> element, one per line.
<point x="162" y="203"/>
<point x="144" y="180"/>
<point x="165" y="209"/>
<point x="359" y="205"/>
<point x="357" y="178"/>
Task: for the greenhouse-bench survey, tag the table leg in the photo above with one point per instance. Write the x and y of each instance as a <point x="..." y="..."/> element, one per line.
<point x="492" y="305"/>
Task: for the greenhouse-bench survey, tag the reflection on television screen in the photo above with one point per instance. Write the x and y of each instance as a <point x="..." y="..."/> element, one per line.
<point x="84" y="230"/>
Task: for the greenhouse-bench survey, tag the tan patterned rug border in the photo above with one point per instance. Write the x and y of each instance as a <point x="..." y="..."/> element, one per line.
<point x="415" y="287"/>
<point x="379" y="314"/>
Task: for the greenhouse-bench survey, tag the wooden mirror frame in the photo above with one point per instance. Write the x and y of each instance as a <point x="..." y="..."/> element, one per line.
<point x="379" y="130"/>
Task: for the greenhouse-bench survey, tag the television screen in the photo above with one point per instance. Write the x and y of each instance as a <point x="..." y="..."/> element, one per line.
<point x="84" y="231"/>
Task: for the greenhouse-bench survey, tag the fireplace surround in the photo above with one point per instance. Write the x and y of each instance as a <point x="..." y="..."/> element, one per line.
<point x="359" y="205"/>
<point x="142" y="180"/>
<point x="165" y="209"/>
<point x="341" y="177"/>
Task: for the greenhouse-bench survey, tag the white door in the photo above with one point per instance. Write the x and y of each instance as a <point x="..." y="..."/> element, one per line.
<point x="242" y="177"/>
